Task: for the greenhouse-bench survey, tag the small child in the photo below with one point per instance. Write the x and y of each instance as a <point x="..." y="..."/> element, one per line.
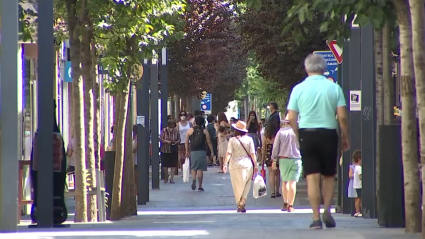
<point x="357" y="181"/>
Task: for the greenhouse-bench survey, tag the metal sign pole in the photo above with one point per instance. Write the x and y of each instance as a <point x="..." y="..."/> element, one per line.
<point x="155" y="124"/>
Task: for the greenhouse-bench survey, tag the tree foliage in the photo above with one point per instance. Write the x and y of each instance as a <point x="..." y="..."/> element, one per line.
<point x="209" y="57"/>
<point x="279" y="58"/>
<point x="261" y="89"/>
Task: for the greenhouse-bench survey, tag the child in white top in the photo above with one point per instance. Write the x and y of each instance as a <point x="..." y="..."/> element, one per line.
<point x="357" y="181"/>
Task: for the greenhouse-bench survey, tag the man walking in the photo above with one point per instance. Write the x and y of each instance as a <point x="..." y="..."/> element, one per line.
<point x="274" y="117"/>
<point x="316" y="101"/>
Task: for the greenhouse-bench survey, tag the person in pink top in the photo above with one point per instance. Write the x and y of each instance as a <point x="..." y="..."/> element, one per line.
<point x="286" y="152"/>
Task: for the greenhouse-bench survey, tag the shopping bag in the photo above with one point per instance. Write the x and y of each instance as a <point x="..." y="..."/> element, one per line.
<point x="259" y="188"/>
<point x="186" y="170"/>
<point x="263" y="173"/>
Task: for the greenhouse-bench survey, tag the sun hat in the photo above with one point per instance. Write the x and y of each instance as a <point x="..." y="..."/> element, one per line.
<point x="240" y="125"/>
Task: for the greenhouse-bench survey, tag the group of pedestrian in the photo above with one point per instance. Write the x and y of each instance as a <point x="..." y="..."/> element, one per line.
<point x="305" y="141"/>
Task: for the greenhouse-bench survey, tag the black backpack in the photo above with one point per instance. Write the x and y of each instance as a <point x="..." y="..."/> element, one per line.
<point x="197" y="138"/>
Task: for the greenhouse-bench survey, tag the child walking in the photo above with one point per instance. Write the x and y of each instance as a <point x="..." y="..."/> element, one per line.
<point x="357" y="181"/>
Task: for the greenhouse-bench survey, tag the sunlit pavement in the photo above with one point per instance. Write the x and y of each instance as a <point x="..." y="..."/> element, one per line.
<point x="176" y="211"/>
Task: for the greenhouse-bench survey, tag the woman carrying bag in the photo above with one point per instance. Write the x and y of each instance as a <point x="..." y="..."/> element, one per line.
<point x="170" y="139"/>
<point x="242" y="163"/>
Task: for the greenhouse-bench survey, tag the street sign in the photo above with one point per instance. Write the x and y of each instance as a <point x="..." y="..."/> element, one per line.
<point x="332" y="71"/>
<point x="206" y="103"/>
<point x="68" y="77"/>
<point x="336" y="50"/>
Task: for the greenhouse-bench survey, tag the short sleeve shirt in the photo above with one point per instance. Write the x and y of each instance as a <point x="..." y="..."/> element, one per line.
<point x="316" y="100"/>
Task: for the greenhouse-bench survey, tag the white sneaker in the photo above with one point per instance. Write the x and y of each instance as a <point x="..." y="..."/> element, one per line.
<point x="358" y="215"/>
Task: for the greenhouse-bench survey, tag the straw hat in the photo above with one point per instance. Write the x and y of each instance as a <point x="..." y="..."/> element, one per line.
<point x="240" y="125"/>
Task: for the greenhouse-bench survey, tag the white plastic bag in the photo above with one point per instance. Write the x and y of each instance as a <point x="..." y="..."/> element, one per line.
<point x="186" y="170"/>
<point x="259" y="188"/>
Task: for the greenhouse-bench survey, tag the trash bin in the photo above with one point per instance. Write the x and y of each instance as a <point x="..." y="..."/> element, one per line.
<point x="109" y="163"/>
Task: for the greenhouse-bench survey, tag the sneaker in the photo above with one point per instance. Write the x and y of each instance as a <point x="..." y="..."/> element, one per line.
<point x="316" y="225"/>
<point x="201" y="189"/>
<point x="358" y="214"/>
<point x="328" y="220"/>
<point x="194" y="184"/>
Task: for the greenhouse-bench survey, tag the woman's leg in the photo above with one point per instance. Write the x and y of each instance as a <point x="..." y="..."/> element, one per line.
<point x="357" y="205"/>
<point x="165" y="174"/>
<point x="220" y="160"/>
<point x="277" y="180"/>
<point x="246" y="184"/>
<point x="271" y="179"/>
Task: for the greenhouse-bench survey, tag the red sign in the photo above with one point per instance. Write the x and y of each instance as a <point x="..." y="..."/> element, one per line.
<point x="336" y="50"/>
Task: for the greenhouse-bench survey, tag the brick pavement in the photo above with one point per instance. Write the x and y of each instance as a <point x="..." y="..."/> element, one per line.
<point x="175" y="211"/>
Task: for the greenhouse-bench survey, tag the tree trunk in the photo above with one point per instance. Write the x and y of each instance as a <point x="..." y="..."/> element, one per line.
<point x="78" y="111"/>
<point x="417" y="13"/>
<point x="86" y="63"/>
<point x="119" y="129"/>
<point x="388" y="83"/>
<point x="379" y="98"/>
<point x="408" y="122"/>
<point x="129" y="206"/>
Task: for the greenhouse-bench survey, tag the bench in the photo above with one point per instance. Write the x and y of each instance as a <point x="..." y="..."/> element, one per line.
<point x="99" y="191"/>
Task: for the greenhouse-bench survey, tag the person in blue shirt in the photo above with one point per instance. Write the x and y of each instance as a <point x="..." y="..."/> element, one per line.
<point x="315" y="102"/>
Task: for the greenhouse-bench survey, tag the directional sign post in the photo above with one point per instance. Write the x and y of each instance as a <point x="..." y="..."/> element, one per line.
<point x="332" y="71"/>
<point x="206" y="103"/>
<point x="67" y="72"/>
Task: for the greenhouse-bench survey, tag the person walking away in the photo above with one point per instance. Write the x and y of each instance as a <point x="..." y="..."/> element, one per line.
<point x="254" y="129"/>
<point x="288" y="156"/>
<point x="316" y="101"/>
<point x="198" y="137"/>
<point x="357" y="182"/>
<point x="135" y="155"/>
<point x="242" y="164"/>
<point x="183" y="126"/>
<point x="273" y="175"/>
<point x="170" y="139"/>
<point x="222" y="121"/>
<point x="223" y="135"/>
<point x="274" y="117"/>
<point x="213" y="134"/>
<point x="190" y="117"/>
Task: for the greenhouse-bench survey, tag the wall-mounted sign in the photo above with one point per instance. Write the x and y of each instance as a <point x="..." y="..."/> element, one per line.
<point x="68" y="77"/>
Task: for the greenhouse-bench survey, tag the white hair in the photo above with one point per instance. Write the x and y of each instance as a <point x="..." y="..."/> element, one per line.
<point x="315" y="63"/>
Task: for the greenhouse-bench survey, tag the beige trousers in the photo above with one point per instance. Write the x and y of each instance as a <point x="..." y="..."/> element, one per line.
<point x="241" y="179"/>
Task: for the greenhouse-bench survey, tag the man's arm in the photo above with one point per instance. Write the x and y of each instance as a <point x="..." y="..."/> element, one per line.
<point x="293" y="117"/>
<point x="276" y="147"/>
<point x="342" y="116"/>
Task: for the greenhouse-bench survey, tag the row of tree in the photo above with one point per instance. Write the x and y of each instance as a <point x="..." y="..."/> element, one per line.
<point x="210" y="57"/>
<point x="116" y="35"/>
<point x="391" y="19"/>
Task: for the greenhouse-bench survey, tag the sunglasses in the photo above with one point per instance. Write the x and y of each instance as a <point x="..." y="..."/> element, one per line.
<point x="182" y="115"/>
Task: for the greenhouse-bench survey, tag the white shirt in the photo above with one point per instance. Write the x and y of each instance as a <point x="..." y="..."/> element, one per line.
<point x="183" y="132"/>
<point x="357" y="183"/>
<point x="239" y="157"/>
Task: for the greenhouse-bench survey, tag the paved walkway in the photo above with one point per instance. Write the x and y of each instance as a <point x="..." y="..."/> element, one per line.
<point x="175" y="211"/>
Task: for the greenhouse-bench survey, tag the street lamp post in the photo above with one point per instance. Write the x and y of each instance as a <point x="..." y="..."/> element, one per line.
<point x="155" y="123"/>
<point x="45" y="120"/>
<point x="143" y="136"/>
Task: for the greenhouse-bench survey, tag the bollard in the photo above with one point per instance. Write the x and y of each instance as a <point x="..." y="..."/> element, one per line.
<point x="391" y="191"/>
<point x="109" y="162"/>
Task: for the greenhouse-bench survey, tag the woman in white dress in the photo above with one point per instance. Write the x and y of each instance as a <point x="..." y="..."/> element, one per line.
<point x="183" y="126"/>
<point x="242" y="163"/>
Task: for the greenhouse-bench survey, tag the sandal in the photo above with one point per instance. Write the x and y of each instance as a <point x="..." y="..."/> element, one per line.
<point x="165" y="181"/>
<point x="273" y="195"/>
<point x="172" y="182"/>
<point x="278" y="195"/>
<point x="242" y="208"/>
